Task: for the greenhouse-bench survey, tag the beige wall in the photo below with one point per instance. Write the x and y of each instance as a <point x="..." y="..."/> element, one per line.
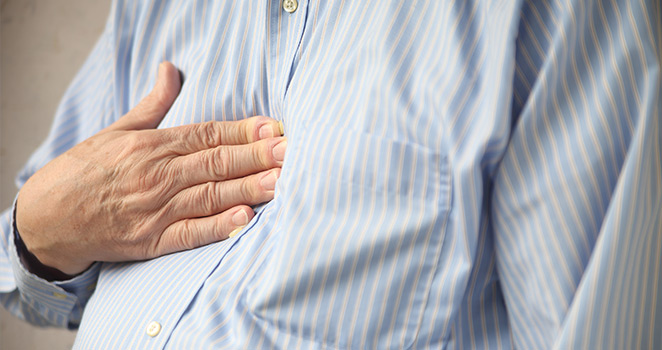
<point x="43" y="43"/>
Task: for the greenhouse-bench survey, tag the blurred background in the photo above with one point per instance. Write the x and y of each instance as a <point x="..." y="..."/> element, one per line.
<point x="42" y="45"/>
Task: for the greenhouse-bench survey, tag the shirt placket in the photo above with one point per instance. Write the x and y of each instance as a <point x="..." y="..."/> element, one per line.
<point x="287" y="23"/>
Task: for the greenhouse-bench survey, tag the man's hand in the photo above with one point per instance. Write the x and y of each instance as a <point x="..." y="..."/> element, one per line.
<point x="132" y="192"/>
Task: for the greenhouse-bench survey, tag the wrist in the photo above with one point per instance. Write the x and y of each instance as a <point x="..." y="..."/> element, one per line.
<point x="36" y="267"/>
<point x="30" y="261"/>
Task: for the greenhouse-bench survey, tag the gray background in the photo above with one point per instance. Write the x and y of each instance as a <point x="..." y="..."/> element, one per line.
<point x="43" y="43"/>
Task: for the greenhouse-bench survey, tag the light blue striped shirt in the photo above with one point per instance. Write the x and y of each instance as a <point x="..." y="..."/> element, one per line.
<point x="459" y="174"/>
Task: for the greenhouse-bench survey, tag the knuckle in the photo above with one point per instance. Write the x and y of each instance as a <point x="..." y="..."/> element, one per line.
<point x="209" y="134"/>
<point x="177" y="237"/>
<point x="263" y="154"/>
<point x="148" y="186"/>
<point x="167" y="175"/>
<point x="137" y="146"/>
<point x="132" y="143"/>
<point x="254" y="155"/>
<point x="248" y="191"/>
<point x="208" y="197"/>
<point x="184" y="239"/>
<point x="219" y="163"/>
<point x="247" y="130"/>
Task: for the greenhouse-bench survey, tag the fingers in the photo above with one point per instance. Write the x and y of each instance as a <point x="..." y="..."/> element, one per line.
<point x="213" y="211"/>
<point x="151" y="109"/>
<point x="192" y="233"/>
<point x="215" y="197"/>
<point x="197" y="137"/>
<point x="229" y="162"/>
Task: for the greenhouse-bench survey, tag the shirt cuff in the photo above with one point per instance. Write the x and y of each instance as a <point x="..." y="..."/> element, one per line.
<point x="61" y="302"/>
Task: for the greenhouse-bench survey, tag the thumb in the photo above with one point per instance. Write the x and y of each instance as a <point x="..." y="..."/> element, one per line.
<point x="151" y="109"/>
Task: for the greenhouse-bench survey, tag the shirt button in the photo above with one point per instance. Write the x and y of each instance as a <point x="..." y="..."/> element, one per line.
<point x="59" y="295"/>
<point x="290" y="5"/>
<point x="153" y="329"/>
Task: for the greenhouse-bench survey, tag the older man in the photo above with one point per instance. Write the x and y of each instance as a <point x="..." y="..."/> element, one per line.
<point x="455" y="174"/>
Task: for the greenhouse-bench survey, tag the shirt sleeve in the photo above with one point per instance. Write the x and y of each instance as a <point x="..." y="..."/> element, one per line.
<point x="577" y="200"/>
<point x="87" y="107"/>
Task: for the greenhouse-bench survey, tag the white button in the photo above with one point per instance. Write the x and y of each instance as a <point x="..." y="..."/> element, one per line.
<point x="290" y="5"/>
<point x="153" y="329"/>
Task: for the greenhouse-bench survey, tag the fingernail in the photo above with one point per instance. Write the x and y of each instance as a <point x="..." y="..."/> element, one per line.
<point x="266" y="131"/>
<point x="279" y="150"/>
<point x="235" y="231"/>
<point x="240" y="218"/>
<point x="268" y="181"/>
<point x="281" y="128"/>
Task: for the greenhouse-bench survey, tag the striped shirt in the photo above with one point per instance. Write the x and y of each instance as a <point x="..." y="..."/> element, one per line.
<point x="459" y="174"/>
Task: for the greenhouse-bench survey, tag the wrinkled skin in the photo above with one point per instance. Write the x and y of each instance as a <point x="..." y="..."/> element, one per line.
<point x="132" y="192"/>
